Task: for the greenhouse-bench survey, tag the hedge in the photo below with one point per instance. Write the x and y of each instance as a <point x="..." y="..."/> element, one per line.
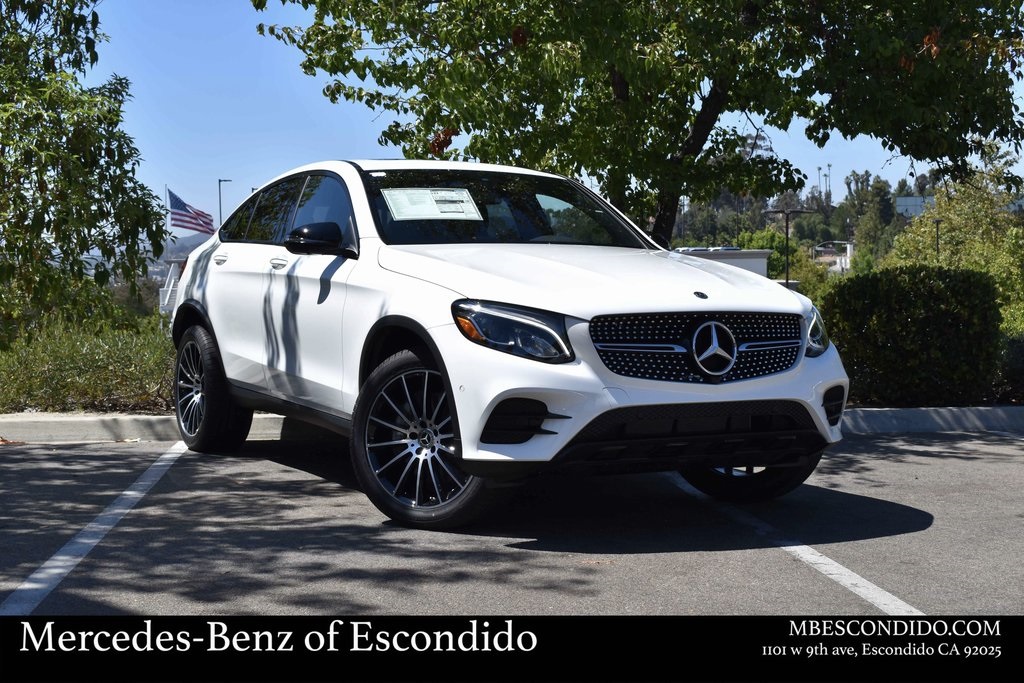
<point x="917" y="335"/>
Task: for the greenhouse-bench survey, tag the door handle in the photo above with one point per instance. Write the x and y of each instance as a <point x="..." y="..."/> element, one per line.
<point x="220" y="259"/>
<point x="278" y="263"/>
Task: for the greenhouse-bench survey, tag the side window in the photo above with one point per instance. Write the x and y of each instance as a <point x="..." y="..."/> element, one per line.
<point x="323" y="199"/>
<point x="274" y="211"/>
<point x="236" y="225"/>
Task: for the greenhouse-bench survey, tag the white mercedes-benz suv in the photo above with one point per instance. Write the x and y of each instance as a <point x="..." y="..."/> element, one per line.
<point x="467" y="326"/>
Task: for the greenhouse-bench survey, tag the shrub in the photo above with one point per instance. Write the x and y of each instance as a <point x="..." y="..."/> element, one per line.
<point x="1010" y="387"/>
<point x="917" y="335"/>
<point x="65" y="367"/>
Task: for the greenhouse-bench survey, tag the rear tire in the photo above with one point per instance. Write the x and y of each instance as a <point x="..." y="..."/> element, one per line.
<point x="750" y="484"/>
<point x="404" y="447"/>
<point x="208" y="418"/>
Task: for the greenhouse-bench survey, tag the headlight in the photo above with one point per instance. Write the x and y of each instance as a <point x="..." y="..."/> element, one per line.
<point x="817" y="337"/>
<point x="525" y="332"/>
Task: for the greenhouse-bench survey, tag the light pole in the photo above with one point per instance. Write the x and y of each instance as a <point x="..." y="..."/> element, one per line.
<point x="220" y="204"/>
<point x="937" y="221"/>
<point x="787" y="213"/>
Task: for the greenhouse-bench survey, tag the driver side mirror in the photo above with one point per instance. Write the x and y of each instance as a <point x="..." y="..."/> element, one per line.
<point x="321" y="238"/>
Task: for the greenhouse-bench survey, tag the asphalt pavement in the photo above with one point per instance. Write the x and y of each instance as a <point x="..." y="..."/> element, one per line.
<point x="36" y="427"/>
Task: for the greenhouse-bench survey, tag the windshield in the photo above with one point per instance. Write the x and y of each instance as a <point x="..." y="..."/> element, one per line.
<point x="458" y="207"/>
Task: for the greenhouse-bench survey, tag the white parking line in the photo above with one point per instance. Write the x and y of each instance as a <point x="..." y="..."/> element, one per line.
<point x="36" y="587"/>
<point x="883" y="600"/>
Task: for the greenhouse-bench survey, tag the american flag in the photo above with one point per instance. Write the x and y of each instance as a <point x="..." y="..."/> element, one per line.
<point x="189" y="217"/>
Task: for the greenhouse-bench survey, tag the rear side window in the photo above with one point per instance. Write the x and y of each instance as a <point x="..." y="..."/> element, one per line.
<point x="274" y="211"/>
<point x="324" y="199"/>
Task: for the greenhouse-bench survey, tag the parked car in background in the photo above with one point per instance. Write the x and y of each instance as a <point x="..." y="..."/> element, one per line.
<point x="466" y="326"/>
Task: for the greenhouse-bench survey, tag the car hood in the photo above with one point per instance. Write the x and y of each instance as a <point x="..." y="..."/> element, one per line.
<point x="584" y="281"/>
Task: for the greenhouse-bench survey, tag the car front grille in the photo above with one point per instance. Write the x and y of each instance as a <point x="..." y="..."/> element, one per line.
<point x="659" y="346"/>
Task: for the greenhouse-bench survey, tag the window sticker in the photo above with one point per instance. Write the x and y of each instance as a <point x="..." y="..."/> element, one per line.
<point x="417" y="203"/>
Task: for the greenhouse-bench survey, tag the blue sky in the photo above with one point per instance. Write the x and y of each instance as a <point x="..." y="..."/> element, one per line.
<point x="213" y="99"/>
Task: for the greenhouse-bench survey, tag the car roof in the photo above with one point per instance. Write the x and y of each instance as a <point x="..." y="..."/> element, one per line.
<point x="371" y="165"/>
<point x="437" y="165"/>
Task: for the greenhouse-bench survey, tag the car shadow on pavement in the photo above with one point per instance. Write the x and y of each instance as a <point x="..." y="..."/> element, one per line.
<point x="650" y="513"/>
<point x="637" y="513"/>
<point x="641" y="513"/>
<point x="656" y="513"/>
<point x="323" y="459"/>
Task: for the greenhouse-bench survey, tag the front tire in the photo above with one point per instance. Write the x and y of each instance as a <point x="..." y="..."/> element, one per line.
<point x="750" y="484"/>
<point x="405" y="442"/>
<point x="208" y="419"/>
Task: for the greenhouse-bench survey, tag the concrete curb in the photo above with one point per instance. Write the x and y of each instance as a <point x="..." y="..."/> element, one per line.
<point x="909" y="420"/>
<point x="82" y="427"/>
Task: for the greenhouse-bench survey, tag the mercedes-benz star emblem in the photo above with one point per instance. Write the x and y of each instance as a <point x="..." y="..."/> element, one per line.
<point x="714" y="348"/>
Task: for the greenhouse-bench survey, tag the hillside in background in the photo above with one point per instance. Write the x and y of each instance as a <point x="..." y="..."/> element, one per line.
<point x="176" y="248"/>
<point x="179" y="247"/>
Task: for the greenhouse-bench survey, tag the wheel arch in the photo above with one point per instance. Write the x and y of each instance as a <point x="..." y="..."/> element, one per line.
<point x="190" y="313"/>
<point x="392" y="334"/>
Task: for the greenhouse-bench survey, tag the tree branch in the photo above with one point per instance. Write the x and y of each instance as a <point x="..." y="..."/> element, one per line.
<point x="712" y="106"/>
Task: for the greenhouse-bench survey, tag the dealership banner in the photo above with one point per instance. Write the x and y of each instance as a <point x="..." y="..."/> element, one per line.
<point x="510" y="648"/>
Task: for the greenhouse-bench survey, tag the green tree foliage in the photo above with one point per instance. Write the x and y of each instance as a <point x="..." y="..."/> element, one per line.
<point x="639" y="95"/>
<point x="867" y="215"/>
<point x="71" y="208"/>
<point x="976" y="231"/>
<point x="862" y="263"/>
<point x="881" y="198"/>
<point x="719" y="221"/>
<point x="925" y="183"/>
<point x="870" y="234"/>
<point x="812" y="278"/>
<point x="769" y="238"/>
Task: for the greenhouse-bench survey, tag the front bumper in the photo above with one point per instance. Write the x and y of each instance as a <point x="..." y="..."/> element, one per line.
<point x="594" y="417"/>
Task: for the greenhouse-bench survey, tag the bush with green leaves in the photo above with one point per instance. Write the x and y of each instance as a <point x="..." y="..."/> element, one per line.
<point x="1010" y="386"/>
<point x="76" y="301"/>
<point x="72" y="206"/>
<point x="68" y="367"/>
<point x="917" y="335"/>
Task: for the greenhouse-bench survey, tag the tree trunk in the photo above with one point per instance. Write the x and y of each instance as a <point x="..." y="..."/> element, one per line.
<point x="615" y="189"/>
<point x="665" y="216"/>
<point x="668" y="199"/>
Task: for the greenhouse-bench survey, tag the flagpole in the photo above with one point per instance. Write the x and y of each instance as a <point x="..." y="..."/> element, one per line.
<point x="167" y="212"/>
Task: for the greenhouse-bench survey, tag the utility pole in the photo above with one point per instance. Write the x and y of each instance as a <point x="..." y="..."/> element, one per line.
<point x="786" y="213"/>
